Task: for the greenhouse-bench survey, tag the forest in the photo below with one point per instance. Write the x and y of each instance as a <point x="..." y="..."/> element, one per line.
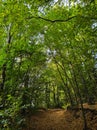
<point x="48" y="61"/>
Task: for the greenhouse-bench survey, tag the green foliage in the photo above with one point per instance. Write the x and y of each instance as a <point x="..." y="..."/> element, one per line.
<point x="48" y="56"/>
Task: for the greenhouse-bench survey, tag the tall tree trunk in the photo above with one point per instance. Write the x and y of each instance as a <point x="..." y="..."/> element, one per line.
<point x="78" y="91"/>
<point x="47" y="95"/>
<point x="81" y="102"/>
<point x="65" y="84"/>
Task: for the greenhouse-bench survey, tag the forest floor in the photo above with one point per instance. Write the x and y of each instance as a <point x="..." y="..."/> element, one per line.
<point x="60" y="119"/>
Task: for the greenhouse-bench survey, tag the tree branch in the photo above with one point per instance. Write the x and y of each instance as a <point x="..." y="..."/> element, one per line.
<point x="52" y="21"/>
<point x="60" y="20"/>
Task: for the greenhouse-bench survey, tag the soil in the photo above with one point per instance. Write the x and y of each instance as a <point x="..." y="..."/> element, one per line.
<point x="60" y="119"/>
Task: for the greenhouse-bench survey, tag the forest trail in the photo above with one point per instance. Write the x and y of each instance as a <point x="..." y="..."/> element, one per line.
<point x="59" y="119"/>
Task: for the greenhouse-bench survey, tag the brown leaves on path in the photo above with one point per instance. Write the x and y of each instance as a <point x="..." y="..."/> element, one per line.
<point x="53" y="119"/>
<point x="59" y="119"/>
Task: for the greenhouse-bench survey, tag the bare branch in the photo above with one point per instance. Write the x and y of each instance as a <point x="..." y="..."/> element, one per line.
<point x="52" y="21"/>
<point x="61" y="20"/>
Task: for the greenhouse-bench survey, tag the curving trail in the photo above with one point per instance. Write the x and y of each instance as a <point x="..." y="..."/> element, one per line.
<point x="59" y="119"/>
<point x="56" y="119"/>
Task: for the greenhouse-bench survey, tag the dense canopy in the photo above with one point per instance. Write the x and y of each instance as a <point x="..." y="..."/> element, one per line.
<point x="48" y="55"/>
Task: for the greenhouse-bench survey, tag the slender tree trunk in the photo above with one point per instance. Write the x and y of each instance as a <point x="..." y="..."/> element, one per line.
<point x="58" y="98"/>
<point x="65" y="85"/>
<point x="47" y="96"/>
<point x="79" y="93"/>
<point x="81" y="101"/>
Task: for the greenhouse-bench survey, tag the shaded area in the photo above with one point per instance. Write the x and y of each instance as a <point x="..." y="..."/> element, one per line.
<point x="59" y="119"/>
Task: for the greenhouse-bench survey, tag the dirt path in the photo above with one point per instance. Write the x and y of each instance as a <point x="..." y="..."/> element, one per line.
<point x="56" y="119"/>
<point x="59" y="119"/>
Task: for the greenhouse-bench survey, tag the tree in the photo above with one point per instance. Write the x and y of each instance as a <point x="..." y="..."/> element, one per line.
<point x="47" y="54"/>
